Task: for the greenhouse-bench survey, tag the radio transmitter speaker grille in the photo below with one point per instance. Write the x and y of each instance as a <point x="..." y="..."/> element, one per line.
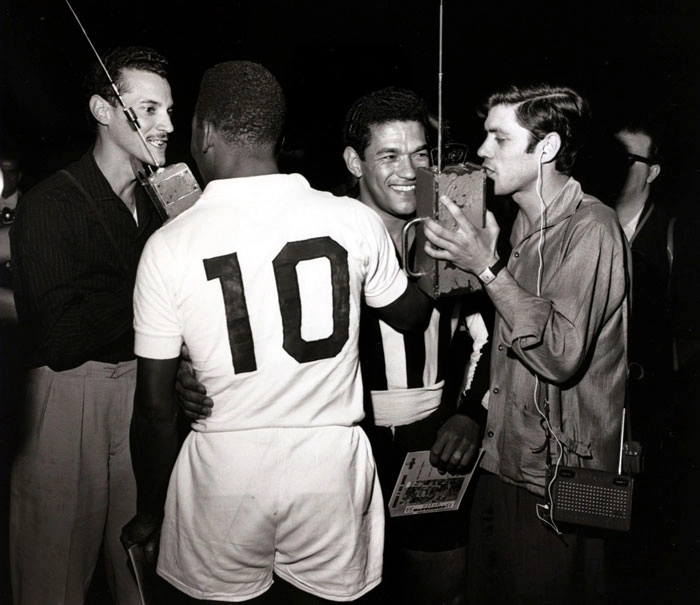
<point x="594" y="498"/>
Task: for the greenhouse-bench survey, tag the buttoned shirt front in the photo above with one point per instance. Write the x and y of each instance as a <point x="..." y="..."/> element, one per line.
<point x="74" y="281"/>
<point x="565" y="346"/>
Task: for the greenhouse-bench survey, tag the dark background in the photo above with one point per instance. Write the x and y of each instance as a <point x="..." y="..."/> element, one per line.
<point x="627" y="57"/>
<point x="637" y="57"/>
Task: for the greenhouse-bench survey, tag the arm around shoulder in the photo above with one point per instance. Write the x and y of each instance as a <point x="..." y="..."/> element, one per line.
<point x="410" y="311"/>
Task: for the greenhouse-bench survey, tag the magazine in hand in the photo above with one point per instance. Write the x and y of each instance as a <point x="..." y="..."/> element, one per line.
<point x="420" y="488"/>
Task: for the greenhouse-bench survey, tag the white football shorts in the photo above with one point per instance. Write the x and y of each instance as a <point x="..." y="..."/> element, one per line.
<point x="302" y="502"/>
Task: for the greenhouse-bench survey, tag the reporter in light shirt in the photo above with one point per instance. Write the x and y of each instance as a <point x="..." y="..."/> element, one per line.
<point x="558" y="335"/>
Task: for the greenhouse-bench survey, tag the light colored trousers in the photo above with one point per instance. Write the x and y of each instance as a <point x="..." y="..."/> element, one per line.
<point x="72" y="485"/>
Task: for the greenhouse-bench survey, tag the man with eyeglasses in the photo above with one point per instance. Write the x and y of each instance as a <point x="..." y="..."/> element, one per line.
<point x="641" y="153"/>
<point x="646" y="226"/>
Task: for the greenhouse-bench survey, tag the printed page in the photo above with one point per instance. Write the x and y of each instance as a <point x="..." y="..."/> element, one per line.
<point x="420" y="488"/>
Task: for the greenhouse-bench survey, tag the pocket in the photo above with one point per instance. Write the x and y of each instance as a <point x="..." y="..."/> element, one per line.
<point x="581" y="450"/>
<point x="48" y="462"/>
<point x="40" y="386"/>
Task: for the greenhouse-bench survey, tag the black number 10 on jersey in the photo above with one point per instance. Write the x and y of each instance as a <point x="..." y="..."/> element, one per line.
<point x="228" y="271"/>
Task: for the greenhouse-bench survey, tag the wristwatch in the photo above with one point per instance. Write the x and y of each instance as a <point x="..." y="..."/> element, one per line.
<point x="490" y="273"/>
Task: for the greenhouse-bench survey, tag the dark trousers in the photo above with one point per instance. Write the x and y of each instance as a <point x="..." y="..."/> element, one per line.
<point x="516" y="558"/>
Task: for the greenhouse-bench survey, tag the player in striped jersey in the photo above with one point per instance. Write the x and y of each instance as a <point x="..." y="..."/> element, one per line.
<point x="405" y="372"/>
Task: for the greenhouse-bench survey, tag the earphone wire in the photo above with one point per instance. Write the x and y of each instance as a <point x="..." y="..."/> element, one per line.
<point x="544" y="511"/>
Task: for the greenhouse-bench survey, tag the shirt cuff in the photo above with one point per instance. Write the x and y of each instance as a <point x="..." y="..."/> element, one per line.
<point x="530" y="322"/>
<point x="157" y="347"/>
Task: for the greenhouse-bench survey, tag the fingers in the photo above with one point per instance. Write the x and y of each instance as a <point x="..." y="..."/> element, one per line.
<point x="436" y="245"/>
<point x="194" y="403"/>
<point x="192" y="395"/>
<point x="436" y="452"/>
<point x="186" y="380"/>
<point x="461" y="464"/>
<point x="435" y="232"/>
<point x="448" y="244"/>
<point x="150" y="549"/>
<point x="455" y="446"/>
<point x="456" y="213"/>
<point x="142" y="528"/>
<point x="125" y="539"/>
<point x="454" y="458"/>
<point x="195" y="411"/>
<point x="464" y="224"/>
<point x="188" y="387"/>
<point x="450" y="453"/>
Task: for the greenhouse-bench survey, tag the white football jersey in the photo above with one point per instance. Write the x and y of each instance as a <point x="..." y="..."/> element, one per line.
<point x="263" y="279"/>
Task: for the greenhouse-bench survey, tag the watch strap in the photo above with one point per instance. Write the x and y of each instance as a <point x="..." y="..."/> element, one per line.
<point x="490" y="273"/>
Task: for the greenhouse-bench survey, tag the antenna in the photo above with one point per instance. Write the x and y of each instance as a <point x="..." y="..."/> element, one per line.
<point x="622" y="442"/>
<point x="439" y="141"/>
<point x="128" y="111"/>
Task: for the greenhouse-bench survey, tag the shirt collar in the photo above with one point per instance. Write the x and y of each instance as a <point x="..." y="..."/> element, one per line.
<point x="91" y="177"/>
<point x="561" y="208"/>
<point x="266" y="183"/>
<point x="97" y="185"/>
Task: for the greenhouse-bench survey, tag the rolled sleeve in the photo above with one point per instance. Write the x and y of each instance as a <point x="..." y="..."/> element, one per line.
<point x="528" y="329"/>
<point x="553" y="333"/>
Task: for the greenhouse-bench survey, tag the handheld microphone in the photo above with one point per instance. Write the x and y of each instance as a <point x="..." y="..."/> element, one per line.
<point x="172" y="189"/>
<point x="465" y="184"/>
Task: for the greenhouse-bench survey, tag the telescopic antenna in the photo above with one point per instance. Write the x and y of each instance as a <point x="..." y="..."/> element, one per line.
<point x="439" y="141"/>
<point x="622" y="442"/>
<point x="128" y="111"/>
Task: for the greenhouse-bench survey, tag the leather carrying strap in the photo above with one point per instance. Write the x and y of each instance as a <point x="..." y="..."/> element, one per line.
<point x="627" y="416"/>
<point x="669" y="254"/>
<point x="100" y="218"/>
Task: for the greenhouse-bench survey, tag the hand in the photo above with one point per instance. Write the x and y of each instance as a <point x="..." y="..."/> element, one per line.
<point x="470" y="248"/>
<point x="456" y="444"/>
<point x="191" y="394"/>
<point x="143" y="529"/>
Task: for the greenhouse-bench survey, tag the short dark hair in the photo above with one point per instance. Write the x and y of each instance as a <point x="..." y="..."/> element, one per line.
<point x="116" y="60"/>
<point x="244" y="101"/>
<point x="640" y="126"/>
<point x="542" y="109"/>
<point x="386" y="105"/>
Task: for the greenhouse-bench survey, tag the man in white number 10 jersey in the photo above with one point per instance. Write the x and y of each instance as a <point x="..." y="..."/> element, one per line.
<point x="263" y="279"/>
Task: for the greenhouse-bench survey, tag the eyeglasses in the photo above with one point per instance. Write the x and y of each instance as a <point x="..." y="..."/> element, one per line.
<point x="633" y="157"/>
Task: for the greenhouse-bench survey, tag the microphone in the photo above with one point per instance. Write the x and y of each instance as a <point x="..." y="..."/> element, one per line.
<point x="172" y="189"/>
<point x="465" y="184"/>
